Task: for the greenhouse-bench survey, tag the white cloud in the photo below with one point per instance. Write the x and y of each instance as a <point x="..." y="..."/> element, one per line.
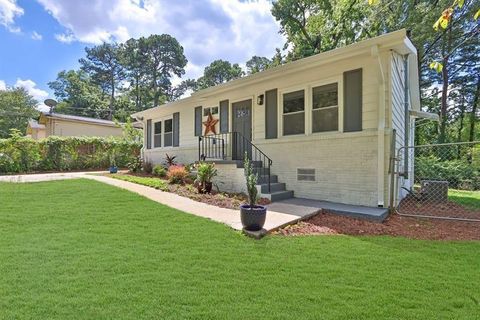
<point x="65" y="38"/>
<point x="9" y="11"/>
<point x="3" y="85"/>
<point x="233" y="30"/>
<point x="37" y="93"/>
<point x="36" y="35"/>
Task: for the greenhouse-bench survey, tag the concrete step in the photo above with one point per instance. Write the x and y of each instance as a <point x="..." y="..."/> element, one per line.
<point x="255" y="164"/>
<point x="278" y="186"/>
<point x="264" y="179"/>
<point x="261" y="171"/>
<point x="278" y="195"/>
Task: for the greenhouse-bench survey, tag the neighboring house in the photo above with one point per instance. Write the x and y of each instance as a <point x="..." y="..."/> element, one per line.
<point x="325" y="122"/>
<point x="35" y="130"/>
<point x="55" y="124"/>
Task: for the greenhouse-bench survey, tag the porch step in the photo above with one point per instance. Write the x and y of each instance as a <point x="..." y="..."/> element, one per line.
<point x="278" y="186"/>
<point x="278" y="195"/>
<point x="255" y="164"/>
<point x="264" y="179"/>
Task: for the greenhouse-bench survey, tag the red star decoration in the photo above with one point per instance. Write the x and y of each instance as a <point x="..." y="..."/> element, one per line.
<point x="210" y="125"/>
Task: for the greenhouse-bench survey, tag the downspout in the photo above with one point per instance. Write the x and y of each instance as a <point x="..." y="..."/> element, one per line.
<point x="380" y="131"/>
<point x="142" y="150"/>
<point x="406" y="141"/>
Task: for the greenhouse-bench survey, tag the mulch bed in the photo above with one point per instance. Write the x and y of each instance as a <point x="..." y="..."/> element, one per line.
<point x="395" y="225"/>
<point x="410" y="205"/>
<point x="216" y="198"/>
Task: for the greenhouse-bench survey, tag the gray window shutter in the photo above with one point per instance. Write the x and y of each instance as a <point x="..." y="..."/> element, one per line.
<point x="198" y="121"/>
<point x="224" y="116"/>
<point x="352" y="110"/>
<point x="149" y="134"/>
<point x="176" y="129"/>
<point x="271" y="113"/>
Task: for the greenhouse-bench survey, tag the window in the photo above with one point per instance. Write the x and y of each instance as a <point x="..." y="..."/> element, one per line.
<point x="168" y="133"/>
<point x="214" y="110"/>
<point x="206" y="111"/>
<point x="325" y="108"/>
<point x="157" y="134"/>
<point x="294" y="113"/>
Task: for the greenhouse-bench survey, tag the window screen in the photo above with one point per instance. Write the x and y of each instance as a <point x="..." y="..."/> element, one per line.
<point x="168" y="133"/>
<point x="157" y="134"/>
<point x="325" y="108"/>
<point x="294" y="113"/>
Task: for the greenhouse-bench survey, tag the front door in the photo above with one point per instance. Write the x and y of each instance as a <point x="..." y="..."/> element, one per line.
<point x="242" y="123"/>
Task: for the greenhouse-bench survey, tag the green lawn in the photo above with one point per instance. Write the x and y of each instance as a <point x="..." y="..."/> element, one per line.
<point x="470" y="199"/>
<point x="79" y="249"/>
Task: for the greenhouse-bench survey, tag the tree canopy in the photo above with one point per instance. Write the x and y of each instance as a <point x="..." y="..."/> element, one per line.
<point x="16" y="108"/>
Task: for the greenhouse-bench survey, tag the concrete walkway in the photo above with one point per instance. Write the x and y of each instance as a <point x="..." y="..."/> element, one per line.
<point x="227" y="216"/>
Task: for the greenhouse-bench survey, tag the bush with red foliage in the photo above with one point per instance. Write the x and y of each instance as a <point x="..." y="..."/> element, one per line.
<point x="177" y="174"/>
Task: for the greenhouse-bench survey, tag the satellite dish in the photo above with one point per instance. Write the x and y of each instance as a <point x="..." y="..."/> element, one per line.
<point x="50" y="102"/>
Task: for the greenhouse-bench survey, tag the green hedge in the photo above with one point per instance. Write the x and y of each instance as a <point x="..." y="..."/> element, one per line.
<point x="22" y="155"/>
<point x="461" y="174"/>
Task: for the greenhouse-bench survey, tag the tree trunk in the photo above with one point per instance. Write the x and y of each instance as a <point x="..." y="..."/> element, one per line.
<point x="445" y="82"/>
<point x="460" y="126"/>
<point x="112" y="100"/>
<point x="473" y="115"/>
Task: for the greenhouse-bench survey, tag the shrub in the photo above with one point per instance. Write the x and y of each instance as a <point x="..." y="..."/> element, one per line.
<point x="177" y="174"/>
<point x="22" y="154"/>
<point x="159" y="171"/>
<point x="135" y="164"/>
<point x="147" y="167"/>
<point x="170" y="160"/>
<point x="205" y="174"/>
<point x="459" y="173"/>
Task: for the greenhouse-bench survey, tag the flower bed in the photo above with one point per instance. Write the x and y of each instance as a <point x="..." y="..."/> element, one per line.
<point x="188" y="190"/>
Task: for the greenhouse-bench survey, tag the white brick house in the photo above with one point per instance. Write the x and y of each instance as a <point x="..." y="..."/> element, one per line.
<point x="325" y="122"/>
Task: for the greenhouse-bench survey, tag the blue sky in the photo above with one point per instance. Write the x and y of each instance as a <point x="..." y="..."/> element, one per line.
<point x="39" y="38"/>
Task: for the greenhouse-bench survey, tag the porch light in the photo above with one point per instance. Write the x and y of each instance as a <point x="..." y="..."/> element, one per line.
<point x="260" y="99"/>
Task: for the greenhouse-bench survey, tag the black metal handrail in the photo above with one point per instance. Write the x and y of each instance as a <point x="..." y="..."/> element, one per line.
<point x="234" y="146"/>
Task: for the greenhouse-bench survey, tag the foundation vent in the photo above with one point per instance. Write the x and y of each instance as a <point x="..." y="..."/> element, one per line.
<point x="305" y="174"/>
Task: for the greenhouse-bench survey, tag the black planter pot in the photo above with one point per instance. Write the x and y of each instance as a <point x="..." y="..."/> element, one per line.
<point x="206" y="187"/>
<point x="253" y="219"/>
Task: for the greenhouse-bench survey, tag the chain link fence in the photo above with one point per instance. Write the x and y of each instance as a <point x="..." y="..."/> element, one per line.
<point x="439" y="181"/>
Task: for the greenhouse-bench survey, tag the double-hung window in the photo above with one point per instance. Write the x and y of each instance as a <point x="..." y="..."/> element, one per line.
<point x="168" y="133"/>
<point x="325" y="108"/>
<point x="157" y="134"/>
<point x="294" y="112"/>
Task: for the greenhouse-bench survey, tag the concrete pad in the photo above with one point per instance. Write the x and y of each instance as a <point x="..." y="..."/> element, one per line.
<point x="306" y="207"/>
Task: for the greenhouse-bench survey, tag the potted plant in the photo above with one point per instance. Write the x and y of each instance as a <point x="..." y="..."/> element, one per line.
<point x="205" y="174"/>
<point x="113" y="163"/>
<point x="252" y="215"/>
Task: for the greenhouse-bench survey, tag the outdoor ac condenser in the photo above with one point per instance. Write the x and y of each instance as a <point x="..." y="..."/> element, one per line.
<point x="434" y="190"/>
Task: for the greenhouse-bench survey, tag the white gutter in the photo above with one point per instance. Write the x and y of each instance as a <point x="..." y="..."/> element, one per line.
<point x="381" y="130"/>
<point x="424" y="115"/>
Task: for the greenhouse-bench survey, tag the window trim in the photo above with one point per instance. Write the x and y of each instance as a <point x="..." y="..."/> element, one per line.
<point x="162" y="134"/>
<point x="154" y="122"/>
<point x="165" y="132"/>
<point x="327" y="108"/>
<point x="281" y="114"/>
<point x="308" y="91"/>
